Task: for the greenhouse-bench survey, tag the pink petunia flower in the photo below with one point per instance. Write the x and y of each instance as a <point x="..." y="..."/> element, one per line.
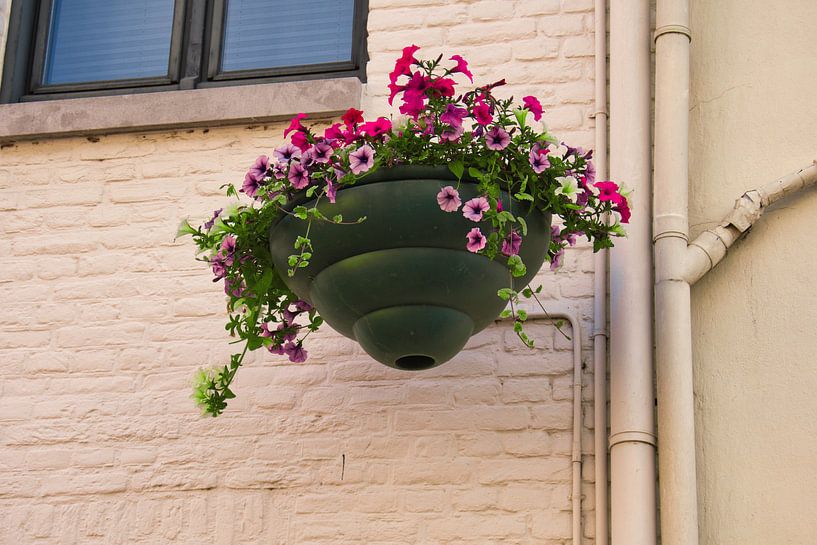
<point x="497" y="138"/>
<point x="321" y="152"/>
<point x="250" y="185"/>
<point x="452" y="134"/>
<point x="449" y="199"/>
<point x="474" y="208"/>
<point x="331" y="191"/>
<point x="258" y="171"/>
<point x="534" y="106"/>
<point x="362" y="159"/>
<point x="462" y="67"/>
<point x="352" y="117"/>
<point x="299" y="140"/>
<point x="377" y="128"/>
<point x="402" y="67"/>
<point x="476" y="240"/>
<point x="443" y="87"/>
<point x="295" y="124"/>
<point x="482" y="113"/>
<point x="538" y="159"/>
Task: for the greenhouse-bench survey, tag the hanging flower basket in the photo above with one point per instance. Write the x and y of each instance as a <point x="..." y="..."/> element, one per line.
<point x="408" y="234"/>
<point x="402" y="282"/>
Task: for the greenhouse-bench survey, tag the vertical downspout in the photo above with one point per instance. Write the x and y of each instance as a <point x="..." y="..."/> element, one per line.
<point x="673" y="329"/>
<point x="600" y="283"/>
<point x="632" y="436"/>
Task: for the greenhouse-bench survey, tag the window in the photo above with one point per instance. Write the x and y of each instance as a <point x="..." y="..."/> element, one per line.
<point x="76" y="48"/>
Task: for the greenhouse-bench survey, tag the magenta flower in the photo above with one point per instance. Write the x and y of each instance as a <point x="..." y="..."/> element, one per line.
<point x="482" y="113"/>
<point x="295" y="124"/>
<point x="462" y="67"/>
<point x="511" y="244"/>
<point x="538" y="159"/>
<point x="295" y="352"/>
<point x="453" y="116"/>
<point x="497" y="138"/>
<point x="376" y="128"/>
<point x="299" y="139"/>
<point x="534" y="106"/>
<point x="449" y="199"/>
<point x="333" y="133"/>
<point x="362" y="159"/>
<point x="443" y="87"/>
<point x="298" y="176"/>
<point x="608" y="191"/>
<point x="286" y="153"/>
<point x="474" y="208"/>
<point x="352" y="117"/>
<point x="476" y="240"/>
<point x="403" y="65"/>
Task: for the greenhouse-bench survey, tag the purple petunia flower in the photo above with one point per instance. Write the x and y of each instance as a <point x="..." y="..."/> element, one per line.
<point x="590" y="172"/>
<point x="362" y="159"/>
<point x="279" y="170"/>
<point x="497" y="138"/>
<point x="212" y="221"/>
<point x="219" y="269"/>
<point x="288" y="330"/>
<point x="511" y="244"/>
<point x="474" y="208"/>
<point x="286" y="153"/>
<point x="227" y="250"/>
<point x="449" y="199"/>
<point x="331" y="191"/>
<point x="298" y="176"/>
<point x="302" y="306"/>
<point x="258" y="171"/>
<point x="295" y="352"/>
<point x="451" y="134"/>
<point x="453" y="116"/>
<point x="538" y="160"/>
<point x="476" y="240"/>
<point x="556" y="260"/>
<point x="321" y="152"/>
<point x="250" y="185"/>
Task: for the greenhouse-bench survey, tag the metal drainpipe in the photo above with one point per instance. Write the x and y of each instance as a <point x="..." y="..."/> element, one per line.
<point x="600" y="284"/>
<point x="632" y="439"/>
<point x="561" y="312"/>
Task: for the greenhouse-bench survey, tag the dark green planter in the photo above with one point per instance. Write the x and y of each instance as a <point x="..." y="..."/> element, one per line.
<point x="402" y="283"/>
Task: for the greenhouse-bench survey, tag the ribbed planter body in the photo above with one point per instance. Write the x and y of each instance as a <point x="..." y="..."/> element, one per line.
<point x="402" y="283"/>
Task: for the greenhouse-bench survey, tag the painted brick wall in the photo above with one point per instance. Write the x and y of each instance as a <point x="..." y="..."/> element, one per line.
<point x="105" y="318"/>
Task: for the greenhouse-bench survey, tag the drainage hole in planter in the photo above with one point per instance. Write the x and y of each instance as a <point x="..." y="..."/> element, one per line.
<point x="414" y="363"/>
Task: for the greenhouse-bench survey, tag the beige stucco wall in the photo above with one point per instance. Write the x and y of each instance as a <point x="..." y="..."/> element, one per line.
<point x="754" y="317"/>
<point x="105" y="318"/>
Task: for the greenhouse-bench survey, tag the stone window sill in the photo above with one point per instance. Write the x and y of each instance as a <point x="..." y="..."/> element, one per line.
<point x="243" y="104"/>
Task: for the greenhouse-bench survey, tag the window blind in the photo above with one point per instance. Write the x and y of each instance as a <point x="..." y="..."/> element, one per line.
<point x="282" y="33"/>
<point x="98" y="40"/>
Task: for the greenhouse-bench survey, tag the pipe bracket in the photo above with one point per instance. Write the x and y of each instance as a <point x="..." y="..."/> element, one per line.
<point x="672" y="29"/>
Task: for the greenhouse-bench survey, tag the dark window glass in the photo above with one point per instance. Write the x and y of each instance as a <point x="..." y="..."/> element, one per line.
<point x="281" y="33"/>
<point x="101" y="40"/>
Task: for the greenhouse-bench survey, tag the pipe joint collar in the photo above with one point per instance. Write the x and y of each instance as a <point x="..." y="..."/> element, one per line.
<point x="632" y="437"/>
<point x="672" y="29"/>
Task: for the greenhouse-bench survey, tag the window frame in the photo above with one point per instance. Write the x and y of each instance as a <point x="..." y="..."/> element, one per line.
<point x="194" y="60"/>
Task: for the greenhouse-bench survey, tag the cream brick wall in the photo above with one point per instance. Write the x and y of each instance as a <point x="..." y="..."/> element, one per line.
<point x="105" y="318"/>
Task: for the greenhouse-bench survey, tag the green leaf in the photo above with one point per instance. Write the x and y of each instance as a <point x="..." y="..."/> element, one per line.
<point x="301" y="242"/>
<point x="292" y="260"/>
<point x="505" y="314"/>
<point x="475" y="173"/>
<point x="523" y="225"/>
<point x="505" y="293"/>
<point x="523" y="197"/>
<point x="516" y="266"/>
<point x="338" y="218"/>
<point x="300" y="212"/>
<point x="522" y="315"/>
<point x="457" y="169"/>
<point x="521" y="115"/>
<point x="517" y="327"/>
<point x="311" y="191"/>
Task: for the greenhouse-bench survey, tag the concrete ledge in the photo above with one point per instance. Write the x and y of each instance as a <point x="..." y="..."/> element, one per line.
<point x="177" y="109"/>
